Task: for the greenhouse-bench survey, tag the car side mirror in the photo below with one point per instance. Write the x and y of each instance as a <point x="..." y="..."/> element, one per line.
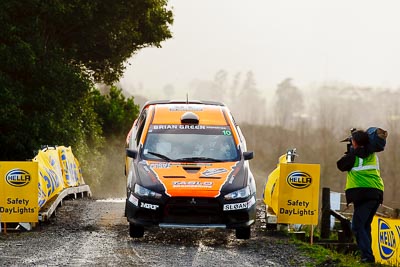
<point x="131" y="153"/>
<point x="248" y="155"/>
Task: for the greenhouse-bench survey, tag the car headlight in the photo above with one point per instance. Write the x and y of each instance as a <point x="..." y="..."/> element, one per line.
<point x="241" y="193"/>
<point x="144" y="192"/>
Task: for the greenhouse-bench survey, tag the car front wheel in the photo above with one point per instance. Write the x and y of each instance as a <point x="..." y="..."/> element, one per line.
<point x="136" y="231"/>
<point x="243" y="233"/>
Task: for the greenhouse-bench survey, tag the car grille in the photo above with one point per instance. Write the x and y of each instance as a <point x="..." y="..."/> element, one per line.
<point x="192" y="210"/>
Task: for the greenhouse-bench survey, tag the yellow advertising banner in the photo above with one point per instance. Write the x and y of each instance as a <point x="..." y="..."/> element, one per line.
<point x="298" y="193"/>
<point x="19" y="191"/>
<point x="271" y="189"/>
<point x="50" y="174"/>
<point x="78" y="171"/>
<point x="70" y="168"/>
<point x="386" y="240"/>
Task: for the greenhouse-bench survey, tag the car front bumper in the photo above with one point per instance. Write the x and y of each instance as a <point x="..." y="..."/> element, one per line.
<point x="192" y="212"/>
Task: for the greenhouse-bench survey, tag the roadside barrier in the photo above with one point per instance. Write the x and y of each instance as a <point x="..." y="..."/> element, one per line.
<point x="291" y="193"/>
<point x="30" y="191"/>
<point x="386" y="240"/>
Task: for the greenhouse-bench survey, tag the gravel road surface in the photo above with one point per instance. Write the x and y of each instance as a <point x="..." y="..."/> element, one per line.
<point x="89" y="232"/>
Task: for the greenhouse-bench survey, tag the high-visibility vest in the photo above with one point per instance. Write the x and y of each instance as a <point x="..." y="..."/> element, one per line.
<point x="365" y="173"/>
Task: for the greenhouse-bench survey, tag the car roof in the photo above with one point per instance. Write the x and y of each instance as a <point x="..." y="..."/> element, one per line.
<point x="159" y="102"/>
<point x="208" y="113"/>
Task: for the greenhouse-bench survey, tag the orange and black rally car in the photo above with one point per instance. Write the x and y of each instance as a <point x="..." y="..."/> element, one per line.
<point x="187" y="167"/>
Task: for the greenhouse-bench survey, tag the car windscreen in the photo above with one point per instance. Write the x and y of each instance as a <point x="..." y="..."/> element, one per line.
<point x="190" y="143"/>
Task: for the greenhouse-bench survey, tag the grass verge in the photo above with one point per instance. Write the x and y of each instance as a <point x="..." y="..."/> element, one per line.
<point x="326" y="257"/>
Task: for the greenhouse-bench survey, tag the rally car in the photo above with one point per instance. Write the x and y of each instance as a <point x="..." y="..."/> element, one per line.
<point x="187" y="167"/>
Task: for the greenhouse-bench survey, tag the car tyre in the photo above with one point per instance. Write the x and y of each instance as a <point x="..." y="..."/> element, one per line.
<point x="136" y="231"/>
<point x="272" y="226"/>
<point x="243" y="233"/>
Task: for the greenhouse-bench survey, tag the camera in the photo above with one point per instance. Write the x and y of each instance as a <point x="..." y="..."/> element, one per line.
<point x="348" y="140"/>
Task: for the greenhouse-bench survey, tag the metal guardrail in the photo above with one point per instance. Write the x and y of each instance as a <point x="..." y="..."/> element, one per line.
<point x="50" y="207"/>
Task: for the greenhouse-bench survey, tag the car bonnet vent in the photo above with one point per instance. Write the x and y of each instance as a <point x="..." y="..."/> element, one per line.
<point x="190" y="118"/>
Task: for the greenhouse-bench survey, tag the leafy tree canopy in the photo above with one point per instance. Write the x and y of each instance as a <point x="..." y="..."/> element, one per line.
<point x="97" y="36"/>
<point x="52" y="52"/>
<point x="116" y="113"/>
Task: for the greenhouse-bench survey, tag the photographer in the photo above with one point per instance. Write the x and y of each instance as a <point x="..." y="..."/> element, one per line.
<point x="364" y="188"/>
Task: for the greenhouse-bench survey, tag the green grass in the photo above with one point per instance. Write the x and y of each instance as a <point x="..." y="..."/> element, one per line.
<point x="326" y="257"/>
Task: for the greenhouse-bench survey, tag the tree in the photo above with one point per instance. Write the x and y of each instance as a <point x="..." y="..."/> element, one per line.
<point x="43" y="110"/>
<point x="289" y="103"/>
<point x="232" y="93"/>
<point x="219" y="85"/>
<point x="97" y="36"/>
<point x="52" y="52"/>
<point x="115" y="113"/>
<point x="250" y="101"/>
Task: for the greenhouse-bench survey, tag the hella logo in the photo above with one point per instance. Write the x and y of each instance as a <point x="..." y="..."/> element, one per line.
<point x="18" y="177"/>
<point x="386" y="240"/>
<point x="299" y="180"/>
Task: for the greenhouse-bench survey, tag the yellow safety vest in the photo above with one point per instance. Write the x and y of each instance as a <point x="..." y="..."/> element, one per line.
<point x="365" y="173"/>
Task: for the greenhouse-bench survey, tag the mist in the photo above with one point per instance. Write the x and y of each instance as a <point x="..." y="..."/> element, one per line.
<point x="313" y="120"/>
<point x="294" y="74"/>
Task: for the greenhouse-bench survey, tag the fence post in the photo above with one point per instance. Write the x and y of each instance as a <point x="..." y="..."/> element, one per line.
<point x="325" y="214"/>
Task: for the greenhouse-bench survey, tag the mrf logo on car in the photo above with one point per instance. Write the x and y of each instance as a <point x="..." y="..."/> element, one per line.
<point x="18" y="191"/>
<point x="298" y="193"/>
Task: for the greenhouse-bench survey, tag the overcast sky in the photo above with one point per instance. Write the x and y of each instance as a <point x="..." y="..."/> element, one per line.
<point x="311" y="41"/>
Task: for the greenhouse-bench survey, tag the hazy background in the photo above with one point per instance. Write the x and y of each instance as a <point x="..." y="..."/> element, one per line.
<point x="294" y="74"/>
<point x="310" y="41"/>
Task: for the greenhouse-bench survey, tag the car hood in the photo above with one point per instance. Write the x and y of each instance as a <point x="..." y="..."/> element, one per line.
<point x="179" y="179"/>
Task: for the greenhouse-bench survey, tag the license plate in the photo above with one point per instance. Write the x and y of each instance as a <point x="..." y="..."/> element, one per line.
<point x="235" y="206"/>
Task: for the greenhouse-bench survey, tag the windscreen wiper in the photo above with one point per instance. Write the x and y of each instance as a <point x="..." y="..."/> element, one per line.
<point x="161" y="156"/>
<point x="198" y="159"/>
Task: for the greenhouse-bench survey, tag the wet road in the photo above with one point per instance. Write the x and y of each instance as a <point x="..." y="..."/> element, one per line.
<point x="86" y="232"/>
